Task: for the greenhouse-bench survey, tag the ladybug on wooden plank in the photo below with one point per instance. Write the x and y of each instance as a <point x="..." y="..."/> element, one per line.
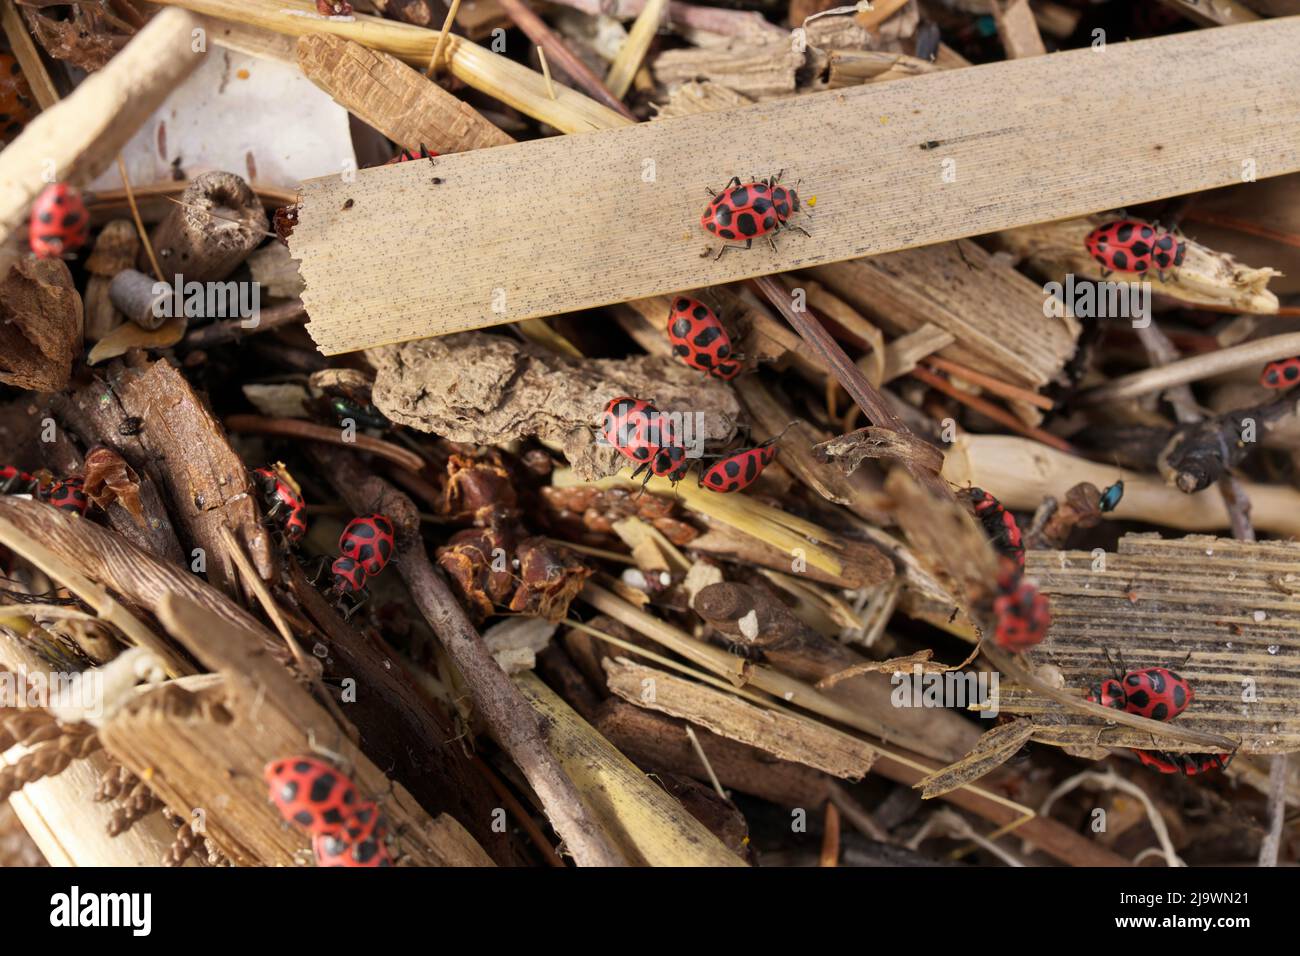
<point x="700" y="340"/>
<point x="745" y="211"/>
<point x="1156" y="693"/>
<point x="59" y="223"/>
<point x="1131" y="246"/>
<point x="1022" y="614"/>
<point x="330" y="850"/>
<point x="314" y="795"/>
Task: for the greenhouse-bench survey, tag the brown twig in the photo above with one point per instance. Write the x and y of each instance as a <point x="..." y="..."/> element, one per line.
<point x="866" y="395"/>
<point x="509" y="718"/>
<point x="1244" y="226"/>
<point x="296" y="428"/>
<point x="231" y="330"/>
<point x="830" y="855"/>
<point x="989" y="410"/>
<point x="994" y="385"/>
<point x="565" y="59"/>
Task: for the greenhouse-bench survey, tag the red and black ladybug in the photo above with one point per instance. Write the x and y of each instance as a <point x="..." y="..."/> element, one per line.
<point x="406" y="155"/>
<point x="633" y="427"/>
<point x="699" y="339"/>
<point x="1281" y="374"/>
<point x="1131" y="246"/>
<point x="282" y="502"/>
<point x="349" y="576"/>
<point x="998" y="523"/>
<point x="332" y="850"/>
<point x="313" y="794"/>
<point x="368" y="540"/>
<point x="1022" y="615"/>
<point x="1189" y="765"/>
<point x="59" y="222"/>
<point x="68" y="494"/>
<point x="739" y="471"/>
<point x="744" y="211"/>
<point x="1156" y="693"/>
<point x="14" y="481"/>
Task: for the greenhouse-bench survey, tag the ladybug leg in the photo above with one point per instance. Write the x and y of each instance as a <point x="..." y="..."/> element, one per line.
<point x="801" y="229"/>
<point x="771" y="243"/>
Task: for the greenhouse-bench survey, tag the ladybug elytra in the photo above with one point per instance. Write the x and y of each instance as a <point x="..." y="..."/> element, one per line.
<point x="1022" y="614"/>
<point x="1131" y="246"/>
<point x="68" y="494"/>
<point x="59" y="222"/>
<point x="699" y="339"/>
<point x="313" y="794"/>
<point x="739" y="471"/>
<point x="1281" y="374"/>
<point x="1189" y="765"/>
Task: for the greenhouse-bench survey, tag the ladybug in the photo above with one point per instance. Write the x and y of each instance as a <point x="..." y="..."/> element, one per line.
<point x="699" y="339"/>
<point x="334" y="8"/>
<point x="1111" y="496"/>
<point x="16" y="103"/>
<point x="59" y="223"/>
<point x="1130" y="246"/>
<point x="368" y="540"/>
<point x="14" y="481"/>
<point x="349" y="576"/>
<point x="311" y="793"/>
<point x="330" y="850"/>
<point x="282" y="500"/>
<point x="1156" y="692"/>
<point x="631" y="426"/>
<point x="739" y="470"/>
<point x="406" y="155"/>
<point x="999" y="524"/>
<point x="1189" y="765"/>
<point x="747" y="210"/>
<point x="68" y="494"/>
<point x="1281" y="374"/>
<point x="1022" y="614"/>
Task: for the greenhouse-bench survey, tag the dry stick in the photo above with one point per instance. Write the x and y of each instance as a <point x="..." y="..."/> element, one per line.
<point x="442" y="38"/>
<point x="867" y="397"/>
<point x="28" y="56"/>
<point x="1244" y="226"/>
<point x="546" y="74"/>
<point x="1272" y="842"/>
<point x="628" y="59"/>
<point x="550" y="44"/>
<point x="994" y="385"/>
<point x="989" y="410"/>
<point x="1193" y="369"/>
<point x="231" y="330"/>
<point x="516" y="810"/>
<point x="704" y="759"/>
<point x="297" y="428"/>
<point x="511" y="720"/>
<point x="139" y="223"/>
<point x="830" y="855"/>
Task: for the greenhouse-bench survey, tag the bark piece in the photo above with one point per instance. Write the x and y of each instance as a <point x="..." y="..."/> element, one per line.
<point x="40" y="325"/>
<point x="201" y="247"/>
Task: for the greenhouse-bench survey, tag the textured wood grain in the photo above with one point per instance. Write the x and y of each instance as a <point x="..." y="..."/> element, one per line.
<point x="566" y="223"/>
<point x="1234" y="606"/>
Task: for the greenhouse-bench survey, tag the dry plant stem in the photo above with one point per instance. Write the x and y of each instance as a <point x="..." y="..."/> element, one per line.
<point x="1272" y="842"/>
<point x="254" y="582"/>
<point x="989" y="410"/>
<point x="452" y="9"/>
<point x="109" y="610"/>
<point x="521" y="816"/>
<point x="830" y="855"/>
<point x="994" y="385"/>
<point x="509" y="717"/>
<point x="634" y="48"/>
<point x="704" y="759"/>
<point x="1109" y="780"/>
<point x="83" y="133"/>
<point x="1011" y="667"/>
<point x="232" y="330"/>
<point x="857" y="815"/>
<point x="557" y="50"/>
<point x="1193" y="369"/>
<point x="867" y="397"/>
<point x="1243" y="226"/>
<point x="297" y="428"/>
<point x="139" y="223"/>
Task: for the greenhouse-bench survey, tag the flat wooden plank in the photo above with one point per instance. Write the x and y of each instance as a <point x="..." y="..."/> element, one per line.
<point x="568" y="223"/>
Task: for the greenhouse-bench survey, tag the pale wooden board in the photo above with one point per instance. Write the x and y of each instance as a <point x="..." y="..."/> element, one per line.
<point x="568" y="223"/>
<point x="1227" y="603"/>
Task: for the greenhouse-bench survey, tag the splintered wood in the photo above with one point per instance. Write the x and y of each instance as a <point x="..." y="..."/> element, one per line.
<point x="618" y="218"/>
<point x="1230" y="609"/>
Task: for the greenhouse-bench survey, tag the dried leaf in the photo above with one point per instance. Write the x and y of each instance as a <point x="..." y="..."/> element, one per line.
<point x="109" y="478"/>
<point x="131" y="336"/>
<point x="991" y="751"/>
<point x="849" y="451"/>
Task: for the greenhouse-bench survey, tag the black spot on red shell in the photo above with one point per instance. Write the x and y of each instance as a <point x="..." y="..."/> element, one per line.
<point x="681" y="328"/>
<point x="739" y="196"/>
<point x="746" y="224"/>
